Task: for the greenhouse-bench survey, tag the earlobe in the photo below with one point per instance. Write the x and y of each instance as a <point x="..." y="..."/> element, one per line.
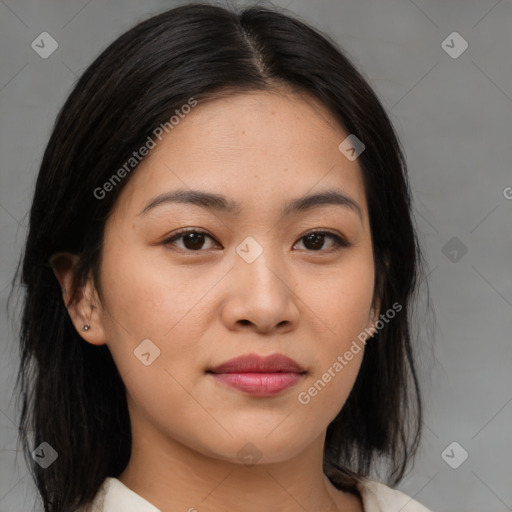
<point x="84" y="309"/>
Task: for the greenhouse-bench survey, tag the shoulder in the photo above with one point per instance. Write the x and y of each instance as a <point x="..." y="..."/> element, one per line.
<point x="378" y="497"/>
<point x="114" y="496"/>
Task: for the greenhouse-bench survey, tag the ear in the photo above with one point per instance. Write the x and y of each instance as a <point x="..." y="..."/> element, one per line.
<point x="373" y="317"/>
<point x="86" y="308"/>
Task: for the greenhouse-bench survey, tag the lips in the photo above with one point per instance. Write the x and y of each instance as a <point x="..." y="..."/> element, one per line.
<point x="259" y="376"/>
<point x="252" y="363"/>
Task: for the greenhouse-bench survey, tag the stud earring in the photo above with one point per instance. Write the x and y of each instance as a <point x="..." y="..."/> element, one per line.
<point x="86" y="327"/>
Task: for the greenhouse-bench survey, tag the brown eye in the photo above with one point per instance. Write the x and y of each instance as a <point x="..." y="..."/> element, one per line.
<point x="315" y="240"/>
<point x="193" y="239"/>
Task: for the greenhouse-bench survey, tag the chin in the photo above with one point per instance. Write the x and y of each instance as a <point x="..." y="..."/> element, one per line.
<point x="255" y="448"/>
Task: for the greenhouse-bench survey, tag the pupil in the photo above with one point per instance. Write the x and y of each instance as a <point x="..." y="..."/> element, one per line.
<point x="195" y="239"/>
<point x="317" y="240"/>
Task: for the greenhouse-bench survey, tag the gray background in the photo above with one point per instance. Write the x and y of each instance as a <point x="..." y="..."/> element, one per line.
<point x="454" y="117"/>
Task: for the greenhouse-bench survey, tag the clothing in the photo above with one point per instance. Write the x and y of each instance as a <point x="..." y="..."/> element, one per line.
<point x="114" y="496"/>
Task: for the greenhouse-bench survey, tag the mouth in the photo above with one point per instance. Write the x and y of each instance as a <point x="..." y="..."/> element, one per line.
<point x="259" y="376"/>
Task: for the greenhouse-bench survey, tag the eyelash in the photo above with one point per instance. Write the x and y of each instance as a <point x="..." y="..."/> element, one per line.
<point x="340" y="242"/>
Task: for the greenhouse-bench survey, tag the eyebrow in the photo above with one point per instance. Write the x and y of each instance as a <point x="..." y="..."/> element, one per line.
<point x="220" y="203"/>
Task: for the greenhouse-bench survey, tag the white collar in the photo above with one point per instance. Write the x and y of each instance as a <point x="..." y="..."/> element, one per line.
<point x="114" y="496"/>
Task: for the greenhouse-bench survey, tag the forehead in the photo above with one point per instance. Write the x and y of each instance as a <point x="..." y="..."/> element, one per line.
<point x="256" y="148"/>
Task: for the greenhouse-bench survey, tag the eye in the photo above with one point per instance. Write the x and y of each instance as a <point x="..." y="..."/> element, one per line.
<point x="193" y="239"/>
<point x="314" y="240"/>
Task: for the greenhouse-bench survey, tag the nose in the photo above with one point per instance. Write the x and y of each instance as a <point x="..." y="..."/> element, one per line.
<point x="261" y="296"/>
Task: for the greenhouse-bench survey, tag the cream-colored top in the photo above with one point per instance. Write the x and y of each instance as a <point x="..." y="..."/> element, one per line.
<point x="114" y="496"/>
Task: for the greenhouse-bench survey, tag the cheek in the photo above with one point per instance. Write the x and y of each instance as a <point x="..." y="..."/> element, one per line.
<point x="145" y="297"/>
<point x="148" y="300"/>
<point x="343" y="299"/>
<point x="344" y="306"/>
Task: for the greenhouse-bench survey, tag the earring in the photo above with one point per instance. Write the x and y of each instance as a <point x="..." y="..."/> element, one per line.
<point x="86" y="327"/>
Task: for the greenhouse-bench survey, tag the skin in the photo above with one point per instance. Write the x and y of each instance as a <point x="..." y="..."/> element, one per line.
<point x="203" y="307"/>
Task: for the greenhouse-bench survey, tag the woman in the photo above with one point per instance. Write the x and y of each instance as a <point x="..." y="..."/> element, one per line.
<point x="219" y="272"/>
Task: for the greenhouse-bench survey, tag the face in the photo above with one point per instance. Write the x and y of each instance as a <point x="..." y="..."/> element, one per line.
<point x="253" y="279"/>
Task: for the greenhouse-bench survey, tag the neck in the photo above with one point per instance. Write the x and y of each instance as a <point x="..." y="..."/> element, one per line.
<point x="173" y="477"/>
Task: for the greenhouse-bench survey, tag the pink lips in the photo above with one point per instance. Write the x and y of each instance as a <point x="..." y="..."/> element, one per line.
<point x="259" y="376"/>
